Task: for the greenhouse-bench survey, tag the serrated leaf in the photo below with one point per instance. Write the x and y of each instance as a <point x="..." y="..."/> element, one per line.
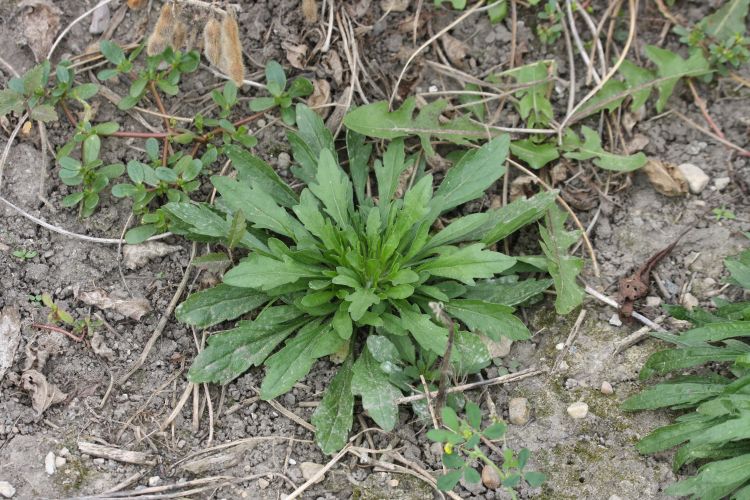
<point x="313" y="137"/>
<point x="535" y="479"/>
<point x="448" y="481"/>
<point x="10" y="100"/>
<point x="333" y="188"/>
<point x="535" y="155"/>
<point x="43" y="113"/>
<point x="493" y="320"/>
<point x="230" y="353"/>
<point x="378" y="395"/>
<point x="220" y="303"/>
<point x="563" y="268"/>
<point x="252" y="170"/>
<point x="334" y="416"/>
<point x="728" y="21"/>
<point x="516" y="215"/>
<point x="428" y="335"/>
<point x="358" y="152"/>
<point x="672" y="67"/>
<point x="592" y="148"/>
<point x="264" y="273"/>
<point x="296" y="358"/>
<point x="360" y="301"/>
<point x="389" y="170"/>
<point x="468" y="263"/>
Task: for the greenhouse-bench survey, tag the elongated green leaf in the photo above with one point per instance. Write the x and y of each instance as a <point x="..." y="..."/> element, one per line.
<point x="375" y="120"/>
<point x="468" y="179"/>
<point x="665" y="395"/>
<point x="535" y="155"/>
<point x="493" y="320"/>
<point x="563" y="268"/>
<point x="333" y="188"/>
<point x="739" y="268"/>
<point x="733" y="429"/>
<point x="231" y="352"/>
<point x="458" y="230"/>
<point x="429" y="335"/>
<point x="388" y="172"/>
<point x="378" y="395"/>
<point x="673" y="67"/>
<point x="509" y="294"/>
<point x="264" y="273"/>
<point x="677" y="359"/>
<point x="333" y="418"/>
<point x="296" y="358"/>
<point x="220" y="303"/>
<point x="714" y="332"/>
<point x="715" y="479"/>
<point x="592" y="148"/>
<point x="254" y="171"/>
<point x="517" y="214"/>
<point x="670" y="436"/>
<point x="728" y="21"/>
<point x="468" y="263"/>
<point x="690" y="453"/>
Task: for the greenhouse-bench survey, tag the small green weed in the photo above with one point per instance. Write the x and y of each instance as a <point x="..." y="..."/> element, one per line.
<point x="24" y="254"/>
<point x="280" y="95"/>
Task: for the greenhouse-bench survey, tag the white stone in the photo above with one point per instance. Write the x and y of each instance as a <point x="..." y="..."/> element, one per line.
<point x="49" y="463"/>
<point x="578" y="410"/>
<point x="696" y="178"/>
<point x="99" y="20"/>
<point x="393" y="483"/>
<point x="518" y="411"/>
<point x="292" y="461"/>
<point x="607" y="388"/>
<point x="64" y="452"/>
<point x="689" y="301"/>
<point x="154" y="481"/>
<point x="59" y="462"/>
<point x="720" y="183"/>
<point x="309" y="469"/>
<point x="6" y="489"/>
<point x="653" y="301"/>
<point x="615" y="320"/>
<point x="560" y="346"/>
<point x="263" y="483"/>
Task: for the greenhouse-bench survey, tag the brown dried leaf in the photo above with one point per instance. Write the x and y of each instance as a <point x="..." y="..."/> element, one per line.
<point x="310" y="11"/>
<point x="638" y="143"/>
<point x="231" y="50"/>
<point x="320" y="97"/>
<point x="666" y="178"/>
<point x="42" y="393"/>
<point x="10" y="337"/>
<point x="136" y="4"/>
<point x="212" y="41"/>
<point x="40" y="25"/>
<point x="100" y="347"/>
<point x="332" y="63"/>
<point x="161" y="37"/>
<point x="394" y="5"/>
<point x="132" y="308"/>
<point x="135" y="256"/>
<point x="455" y="49"/>
<point x="558" y="173"/>
<point x="521" y="187"/>
<point x="295" y="54"/>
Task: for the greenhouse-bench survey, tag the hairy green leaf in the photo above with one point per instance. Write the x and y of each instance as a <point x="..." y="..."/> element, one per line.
<point x="563" y="267"/>
<point x="221" y="303"/>
<point x="378" y="395"/>
<point x="333" y="418"/>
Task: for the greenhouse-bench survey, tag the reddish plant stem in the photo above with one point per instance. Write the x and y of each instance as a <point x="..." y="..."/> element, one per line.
<point x="57" y="329"/>
<point x="141" y="135"/>
<point x="66" y="109"/>
<point x="704" y="110"/>
<point x="205" y="137"/>
<point x="163" y="111"/>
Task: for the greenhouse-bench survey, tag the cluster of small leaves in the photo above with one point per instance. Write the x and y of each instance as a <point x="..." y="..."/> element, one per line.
<point x="24" y="254"/>
<point x="716" y="429"/>
<point x="280" y="95"/>
<point x="30" y="93"/>
<point x="549" y="29"/>
<point x="167" y="80"/>
<point x="337" y="269"/>
<point x="721" y="36"/>
<point x="461" y="440"/>
<point x="497" y="10"/>
<point x="59" y="316"/>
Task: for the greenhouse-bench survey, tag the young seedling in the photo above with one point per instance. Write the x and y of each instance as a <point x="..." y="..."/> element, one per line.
<point x="280" y="96"/>
<point x="58" y="316"/>
<point x="25" y="254"/>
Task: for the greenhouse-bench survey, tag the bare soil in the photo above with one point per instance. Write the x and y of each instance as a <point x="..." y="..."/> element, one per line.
<point x="589" y="458"/>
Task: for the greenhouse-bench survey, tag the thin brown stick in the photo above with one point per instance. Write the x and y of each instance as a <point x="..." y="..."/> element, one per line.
<point x="688" y="121"/>
<point x="57" y="329"/>
<point x="704" y="110"/>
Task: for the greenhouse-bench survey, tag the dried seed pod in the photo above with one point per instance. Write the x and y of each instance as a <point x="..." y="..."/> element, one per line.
<point x="136" y="4"/>
<point x="162" y="34"/>
<point x="212" y="41"/>
<point x="231" y="50"/>
<point x="179" y="35"/>
<point x="310" y="11"/>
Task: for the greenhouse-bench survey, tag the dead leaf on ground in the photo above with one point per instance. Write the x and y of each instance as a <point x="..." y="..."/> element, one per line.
<point x="42" y="393"/>
<point x="295" y="54"/>
<point x="136" y="4"/>
<point x="666" y="178"/>
<point x="218" y="461"/>
<point x="334" y="121"/>
<point x="362" y="8"/>
<point x="132" y="308"/>
<point x="521" y="187"/>
<point x="333" y="66"/>
<point x="43" y="347"/>
<point x="135" y="256"/>
<point x="455" y="49"/>
<point x="310" y="11"/>
<point x="40" y="21"/>
<point x="10" y="337"/>
<point x="558" y="173"/>
<point x="320" y="97"/>
<point x="394" y="5"/>
<point x="100" y="347"/>
<point x="637" y="143"/>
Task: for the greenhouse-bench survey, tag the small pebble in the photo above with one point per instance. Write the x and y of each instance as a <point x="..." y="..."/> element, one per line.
<point x="181" y="443"/>
<point x="284" y="160"/>
<point x="518" y="411"/>
<point x="720" y="183"/>
<point x="696" y="178"/>
<point x="571" y="383"/>
<point x="292" y="461"/>
<point x="615" y="320"/>
<point x="393" y="483"/>
<point x="6" y="489"/>
<point x="653" y="301"/>
<point x="98" y="461"/>
<point x="154" y="481"/>
<point x="49" y="463"/>
<point x="607" y="388"/>
<point x="490" y="478"/>
<point x="309" y="469"/>
<point x="59" y="462"/>
<point x="578" y="410"/>
<point x="99" y="20"/>
<point x="560" y="346"/>
<point x="689" y="301"/>
<point x="263" y="483"/>
<point x="563" y="365"/>
<point x="64" y="452"/>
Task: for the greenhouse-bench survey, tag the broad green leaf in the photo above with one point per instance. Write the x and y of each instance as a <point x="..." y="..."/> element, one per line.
<point x="10" y="100"/>
<point x="672" y="67"/>
<point x="428" y="335"/>
<point x="535" y="479"/>
<point x="275" y="78"/>
<point x="468" y="263"/>
<point x="715" y="479"/>
<point x="220" y="303"/>
<point x="375" y="120"/>
<point x="665" y="395"/>
<point x="516" y="215"/>
<point x="563" y="268"/>
<point x="378" y="395"/>
<point x="254" y="171"/>
<point x="533" y="104"/>
<point x="471" y="475"/>
<point x="361" y="299"/>
<point x="449" y="480"/>
<point x="471" y="176"/>
<point x="739" y="268"/>
<point x="290" y="364"/>
<point x="678" y="359"/>
<point x="230" y="353"/>
<point x="496" y="430"/>
<point x="112" y="52"/>
<point x="35" y="79"/>
<point x="728" y="21"/>
<point x="333" y="188"/>
<point x="493" y="320"/>
<point x="670" y="436"/>
<point x="312" y="138"/>
<point x="333" y="418"/>
<point x="264" y="273"/>
<point x="535" y="155"/>
<point x="635" y="76"/>
<point x="715" y="332"/>
<point x="43" y="113"/>
<point x="140" y="234"/>
<point x="470" y="353"/>
<point x="592" y="148"/>
<point x="509" y="294"/>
